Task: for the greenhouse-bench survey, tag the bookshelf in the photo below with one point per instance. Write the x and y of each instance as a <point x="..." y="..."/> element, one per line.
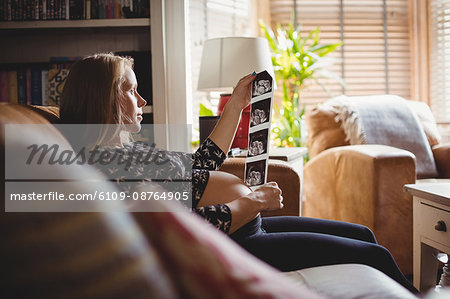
<point x="164" y="34"/>
<point x="29" y="42"/>
<point x="140" y="22"/>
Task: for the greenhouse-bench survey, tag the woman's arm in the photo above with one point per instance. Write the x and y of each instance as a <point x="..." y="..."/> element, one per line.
<point x="208" y="156"/>
<point x="231" y="215"/>
<point x="246" y="208"/>
<point x="224" y="131"/>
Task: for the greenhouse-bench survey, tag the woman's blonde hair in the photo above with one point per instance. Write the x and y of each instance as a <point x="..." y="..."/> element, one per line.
<point x="92" y="90"/>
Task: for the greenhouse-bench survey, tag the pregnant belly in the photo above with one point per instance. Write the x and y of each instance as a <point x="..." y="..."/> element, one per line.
<point x="222" y="188"/>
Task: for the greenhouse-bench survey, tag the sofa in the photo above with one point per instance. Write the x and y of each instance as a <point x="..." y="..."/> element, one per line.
<point x="363" y="183"/>
<point x="141" y="255"/>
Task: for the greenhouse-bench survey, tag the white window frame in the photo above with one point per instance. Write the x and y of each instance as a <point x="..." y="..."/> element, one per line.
<point x="171" y="85"/>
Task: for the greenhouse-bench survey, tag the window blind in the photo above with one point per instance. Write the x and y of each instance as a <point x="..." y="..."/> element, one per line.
<point x="439" y="67"/>
<point x="212" y="19"/>
<point x="375" y="57"/>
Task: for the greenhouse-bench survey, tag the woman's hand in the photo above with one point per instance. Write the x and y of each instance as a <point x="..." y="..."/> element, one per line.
<point x="241" y="96"/>
<point x="223" y="133"/>
<point x="265" y="198"/>
<point x="268" y="197"/>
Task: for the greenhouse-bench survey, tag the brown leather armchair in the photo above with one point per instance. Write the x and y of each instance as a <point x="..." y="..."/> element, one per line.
<point x="363" y="183"/>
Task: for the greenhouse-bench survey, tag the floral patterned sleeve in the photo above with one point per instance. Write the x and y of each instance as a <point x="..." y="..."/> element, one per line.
<point x="218" y="215"/>
<point x="208" y="156"/>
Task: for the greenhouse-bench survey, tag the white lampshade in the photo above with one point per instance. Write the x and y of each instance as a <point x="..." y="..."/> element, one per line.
<point x="226" y="60"/>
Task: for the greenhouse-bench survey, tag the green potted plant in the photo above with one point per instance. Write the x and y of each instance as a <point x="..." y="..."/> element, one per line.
<point x="296" y="61"/>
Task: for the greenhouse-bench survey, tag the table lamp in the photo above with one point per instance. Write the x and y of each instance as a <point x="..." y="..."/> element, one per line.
<point x="224" y="62"/>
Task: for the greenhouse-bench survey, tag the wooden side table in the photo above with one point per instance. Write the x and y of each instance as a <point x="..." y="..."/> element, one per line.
<point x="431" y="226"/>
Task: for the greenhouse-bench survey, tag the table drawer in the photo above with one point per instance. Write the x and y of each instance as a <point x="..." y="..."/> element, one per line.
<point x="430" y="216"/>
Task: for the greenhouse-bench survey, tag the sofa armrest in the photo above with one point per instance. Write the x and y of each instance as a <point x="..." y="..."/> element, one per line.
<point x="286" y="177"/>
<point x="441" y="154"/>
<point x="364" y="184"/>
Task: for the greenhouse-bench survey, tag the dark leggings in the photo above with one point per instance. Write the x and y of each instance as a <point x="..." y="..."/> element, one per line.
<point x="291" y="243"/>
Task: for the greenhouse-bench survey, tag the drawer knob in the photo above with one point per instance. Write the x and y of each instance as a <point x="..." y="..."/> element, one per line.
<point x="440" y="226"/>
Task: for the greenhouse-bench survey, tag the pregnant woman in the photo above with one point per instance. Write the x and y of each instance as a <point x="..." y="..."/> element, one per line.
<point x="102" y="89"/>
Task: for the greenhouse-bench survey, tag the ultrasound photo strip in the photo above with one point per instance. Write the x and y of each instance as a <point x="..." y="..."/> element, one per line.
<point x="258" y="142"/>
<point x="260" y="112"/>
<point x="256" y="172"/>
<point x="262" y="84"/>
<point x="256" y="163"/>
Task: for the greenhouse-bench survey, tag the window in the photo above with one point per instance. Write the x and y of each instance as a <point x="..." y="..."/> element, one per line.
<point x="439" y="62"/>
<point x="211" y="19"/>
<point x="375" y="57"/>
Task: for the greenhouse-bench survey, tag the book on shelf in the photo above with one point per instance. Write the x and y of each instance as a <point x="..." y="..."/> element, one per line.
<point x="12" y="86"/>
<point x="28" y="10"/>
<point x="92" y="10"/>
<point x="56" y="79"/>
<point x="28" y="80"/>
<point x="34" y="83"/>
<point x="21" y="86"/>
<point x="44" y="87"/>
<point x="4" y="86"/>
<point x="76" y="9"/>
<point x="88" y="11"/>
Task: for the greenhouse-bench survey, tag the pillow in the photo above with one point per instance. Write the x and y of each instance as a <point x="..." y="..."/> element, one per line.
<point x="79" y="255"/>
<point x="388" y="120"/>
<point x="205" y="263"/>
<point x="72" y="255"/>
<point x="426" y="118"/>
<point x="323" y="130"/>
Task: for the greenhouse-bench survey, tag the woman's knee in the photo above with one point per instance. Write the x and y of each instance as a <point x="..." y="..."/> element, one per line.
<point x="370" y="235"/>
<point x="380" y="254"/>
<point x="366" y="234"/>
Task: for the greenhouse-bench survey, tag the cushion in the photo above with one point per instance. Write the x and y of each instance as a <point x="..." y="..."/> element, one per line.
<point x="323" y="131"/>
<point x="423" y="112"/>
<point x="51" y="113"/>
<point x="79" y="255"/>
<point x="345" y="281"/>
<point x="206" y="264"/>
<point x="39" y="115"/>
<point x="76" y="255"/>
<point x="22" y="114"/>
<point x="333" y="124"/>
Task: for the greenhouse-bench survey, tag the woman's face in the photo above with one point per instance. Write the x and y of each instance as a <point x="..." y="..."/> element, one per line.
<point x="132" y="102"/>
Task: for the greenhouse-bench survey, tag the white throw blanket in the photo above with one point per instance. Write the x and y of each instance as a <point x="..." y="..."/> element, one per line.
<point x="387" y="120"/>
